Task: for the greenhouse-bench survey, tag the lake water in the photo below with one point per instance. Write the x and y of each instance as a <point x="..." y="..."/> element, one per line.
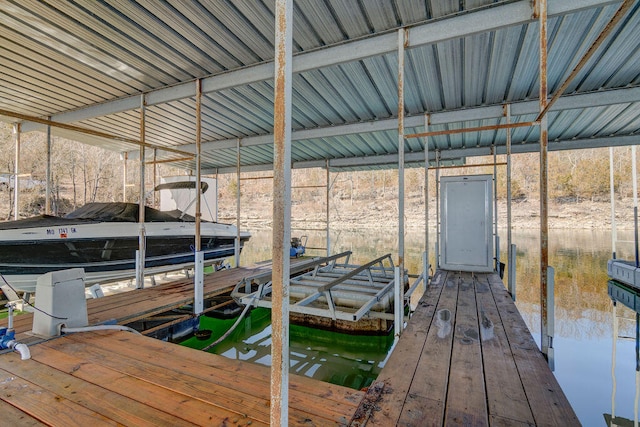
<point x="583" y="342"/>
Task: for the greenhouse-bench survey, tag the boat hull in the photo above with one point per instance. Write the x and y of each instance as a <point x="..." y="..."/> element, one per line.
<point x="106" y="251"/>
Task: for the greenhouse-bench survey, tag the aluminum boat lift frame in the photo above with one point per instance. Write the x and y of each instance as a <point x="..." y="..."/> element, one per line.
<point x="328" y="288"/>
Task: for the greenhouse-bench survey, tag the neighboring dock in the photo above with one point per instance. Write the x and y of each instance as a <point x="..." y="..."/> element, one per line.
<point x="466" y="358"/>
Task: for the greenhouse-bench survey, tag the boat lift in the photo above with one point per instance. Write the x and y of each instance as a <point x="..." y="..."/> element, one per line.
<point x="330" y="287"/>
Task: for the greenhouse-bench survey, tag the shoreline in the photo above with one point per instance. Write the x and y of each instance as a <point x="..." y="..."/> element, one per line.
<point x="368" y="214"/>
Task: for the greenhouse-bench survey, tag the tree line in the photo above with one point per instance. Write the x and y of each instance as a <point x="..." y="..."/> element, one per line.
<point x="83" y="173"/>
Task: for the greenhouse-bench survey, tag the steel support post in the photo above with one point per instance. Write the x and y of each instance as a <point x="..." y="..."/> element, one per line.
<point x="16" y="172"/>
<point x="47" y="196"/>
<point x="425" y="257"/>
<point x="614" y="385"/>
<point x="281" y="214"/>
<point x="511" y="260"/>
<point x="612" y="194"/>
<point x="512" y="270"/>
<point x="236" y="246"/>
<point x="398" y="302"/>
<point x="198" y="267"/>
<point x="437" y="209"/>
<point x="142" y="239"/>
<point x="634" y="174"/>
<point x="402" y="40"/>
<point x="328" y="212"/>
<point x="399" y="283"/>
<point x="155" y="177"/>
<point x="495" y="207"/>
<point x="544" y="208"/>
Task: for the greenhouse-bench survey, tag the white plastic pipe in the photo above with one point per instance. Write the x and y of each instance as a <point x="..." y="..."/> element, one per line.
<point x="99" y="328"/>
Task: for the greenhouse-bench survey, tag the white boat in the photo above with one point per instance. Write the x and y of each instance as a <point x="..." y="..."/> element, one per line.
<point x="103" y="238"/>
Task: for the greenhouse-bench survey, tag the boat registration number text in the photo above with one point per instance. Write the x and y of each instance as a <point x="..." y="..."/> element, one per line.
<point x="63" y="232"/>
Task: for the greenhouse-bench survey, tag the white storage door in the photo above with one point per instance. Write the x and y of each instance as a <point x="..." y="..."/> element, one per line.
<point x="466" y="242"/>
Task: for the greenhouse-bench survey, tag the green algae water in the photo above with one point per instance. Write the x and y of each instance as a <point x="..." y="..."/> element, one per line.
<point x="344" y="359"/>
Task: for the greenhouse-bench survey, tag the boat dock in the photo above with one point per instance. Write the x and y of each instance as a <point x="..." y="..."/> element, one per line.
<point x="465" y="358"/>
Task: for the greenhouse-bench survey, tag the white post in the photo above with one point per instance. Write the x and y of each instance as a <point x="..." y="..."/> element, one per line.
<point x="16" y="172"/>
<point x="142" y="240"/>
<point x="398" y="303"/>
<point x="635" y="202"/>
<point x="612" y="193"/>
<point x="511" y="259"/>
<point x="512" y="270"/>
<point x="281" y="214"/>
<point x="236" y="248"/>
<point x="495" y="207"/>
<point x="613" y="361"/>
<point x="425" y="257"/>
<point x="47" y="197"/>
<point x="125" y="158"/>
<point x="327" y="197"/>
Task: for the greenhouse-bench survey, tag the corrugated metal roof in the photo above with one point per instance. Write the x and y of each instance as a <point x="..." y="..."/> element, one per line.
<point x="79" y="62"/>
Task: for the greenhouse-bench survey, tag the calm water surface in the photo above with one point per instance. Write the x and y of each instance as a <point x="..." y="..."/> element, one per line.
<point x="583" y="342"/>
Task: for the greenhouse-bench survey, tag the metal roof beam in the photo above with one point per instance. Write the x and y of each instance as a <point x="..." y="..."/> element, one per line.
<point x="567" y="102"/>
<point x="478" y="21"/>
<point x="446" y="155"/>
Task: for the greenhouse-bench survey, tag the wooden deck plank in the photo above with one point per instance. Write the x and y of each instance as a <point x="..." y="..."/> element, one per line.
<point x="493" y="372"/>
<point x="402" y="365"/>
<point x="506" y="398"/>
<point x="332" y="392"/>
<point x="12" y="416"/>
<point x="548" y="403"/>
<point x="191" y="409"/>
<point x="44" y="405"/>
<point x="112" y="405"/>
<point x="254" y="380"/>
<point x="436" y="356"/>
<point x="466" y="398"/>
<point x="229" y="389"/>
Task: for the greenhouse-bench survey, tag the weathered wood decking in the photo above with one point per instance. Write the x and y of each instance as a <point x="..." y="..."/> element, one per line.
<point x="110" y="378"/>
<point x="120" y="378"/>
<point x="139" y="304"/>
<point x="467" y="358"/>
